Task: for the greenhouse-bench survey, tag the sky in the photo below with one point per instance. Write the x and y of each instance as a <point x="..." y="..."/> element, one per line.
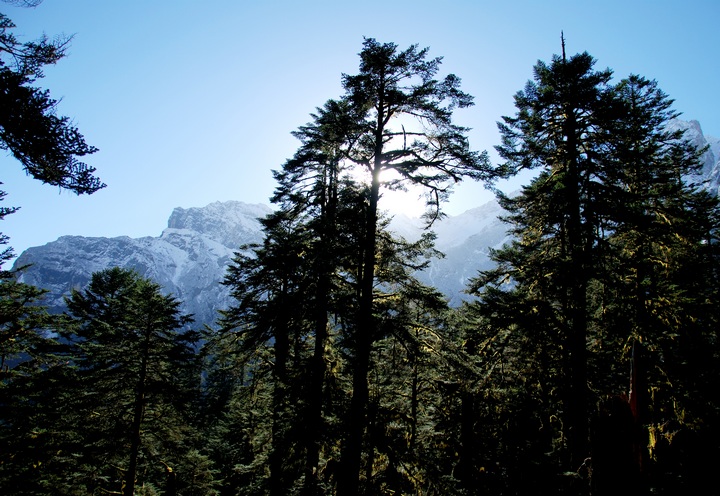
<point x="193" y="101"/>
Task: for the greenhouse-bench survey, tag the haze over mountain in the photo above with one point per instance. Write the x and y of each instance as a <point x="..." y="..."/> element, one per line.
<point x="190" y="257"/>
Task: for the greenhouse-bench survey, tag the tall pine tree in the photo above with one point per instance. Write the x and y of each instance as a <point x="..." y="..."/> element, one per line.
<point x="136" y="376"/>
<point x="406" y="137"/>
<point x="558" y="129"/>
<point x="601" y="238"/>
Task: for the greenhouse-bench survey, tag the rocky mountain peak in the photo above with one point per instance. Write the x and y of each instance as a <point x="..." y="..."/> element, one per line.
<point x="231" y="223"/>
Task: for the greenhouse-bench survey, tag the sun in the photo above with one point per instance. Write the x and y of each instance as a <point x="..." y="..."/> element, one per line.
<point x="410" y="203"/>
<point x="394" y="202"/>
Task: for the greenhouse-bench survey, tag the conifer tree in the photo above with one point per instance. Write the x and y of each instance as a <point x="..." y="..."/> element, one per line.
<point x="34" y="381"/>
<point x="660" y="229"/>
<point x="601" y="235"/>
<point x="269" y="287"/>
<point x="313" y="185"/>
<point x="557" y="129"/>
<point x="343" y="268"/>
<point x="136" y="375"/>
<point x="406" y="136"/>
<point x="47" y="145"/>
<point x="290" y="293"/>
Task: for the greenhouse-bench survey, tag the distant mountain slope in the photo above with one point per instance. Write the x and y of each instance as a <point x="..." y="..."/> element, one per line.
<point x="710" y="159"/>
<point x="190" y="257"/>
<point x="465" y="240"/>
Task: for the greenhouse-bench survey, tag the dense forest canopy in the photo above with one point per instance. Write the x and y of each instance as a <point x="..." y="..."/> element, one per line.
<point x="586" y="364"/>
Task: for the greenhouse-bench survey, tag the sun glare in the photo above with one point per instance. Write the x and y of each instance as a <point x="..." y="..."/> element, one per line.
<point x="394" y="202"/>
<point x="410" y="202"/>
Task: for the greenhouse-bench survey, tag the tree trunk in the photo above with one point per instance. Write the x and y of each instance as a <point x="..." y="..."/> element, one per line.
<point x="139" y="407"/>
<point x="317" y="366"/>
<point x="465" y="470"/>
<point x="578" y="432"/>
<point x="348" y="483"/>
<point x="278" y="478"/>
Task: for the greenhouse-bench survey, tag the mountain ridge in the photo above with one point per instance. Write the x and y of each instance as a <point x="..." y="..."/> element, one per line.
<point x="190" y="257"/>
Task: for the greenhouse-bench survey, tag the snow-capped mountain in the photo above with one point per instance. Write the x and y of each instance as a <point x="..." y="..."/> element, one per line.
<point x="190" y="257"/>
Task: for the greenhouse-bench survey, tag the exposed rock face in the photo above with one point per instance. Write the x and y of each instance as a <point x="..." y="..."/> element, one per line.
<point x="190" y="257"/>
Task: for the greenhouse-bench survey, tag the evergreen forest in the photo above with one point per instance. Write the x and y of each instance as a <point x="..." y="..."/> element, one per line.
<point x="585" y="362"/>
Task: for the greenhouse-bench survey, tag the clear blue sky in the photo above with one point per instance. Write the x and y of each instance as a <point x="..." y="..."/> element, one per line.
<point x="193" y="101"/>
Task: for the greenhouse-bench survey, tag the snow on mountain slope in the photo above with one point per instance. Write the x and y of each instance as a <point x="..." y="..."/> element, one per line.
<point x="229" y="223"/>
<point x="465" y="240"/>
<point x="188" y="259"/>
